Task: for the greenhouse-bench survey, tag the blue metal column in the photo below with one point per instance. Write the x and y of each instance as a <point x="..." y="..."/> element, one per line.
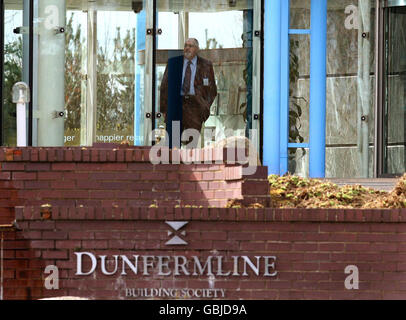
<point x="139" y="97"/>
<point x="284" y="103"/>
<point x="318" y="45"/>
<point x="272" y="85"/>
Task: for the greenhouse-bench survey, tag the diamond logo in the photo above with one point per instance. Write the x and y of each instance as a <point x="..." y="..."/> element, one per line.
<point x="176" y="240"/>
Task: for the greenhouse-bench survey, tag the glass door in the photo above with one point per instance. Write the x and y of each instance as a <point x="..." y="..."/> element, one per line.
<point x="208" y="71"/>
<point x="394" y="95"/>
<point x="92" y="72"/>
<point x="98" y="69"/>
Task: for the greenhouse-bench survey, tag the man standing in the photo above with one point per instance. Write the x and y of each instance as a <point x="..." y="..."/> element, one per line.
<point x="188" y="89"/>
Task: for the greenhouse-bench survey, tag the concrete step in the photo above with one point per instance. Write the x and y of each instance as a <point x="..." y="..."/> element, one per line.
<point x="383" y="184"/>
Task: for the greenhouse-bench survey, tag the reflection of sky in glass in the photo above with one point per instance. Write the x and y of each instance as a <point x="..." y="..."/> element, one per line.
<point x="12" y="19"/>
<point x="107" y="24"/>
<point x="225" y="27"/>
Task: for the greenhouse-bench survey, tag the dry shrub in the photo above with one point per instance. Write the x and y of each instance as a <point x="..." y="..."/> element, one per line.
<point x="297" y="192"/>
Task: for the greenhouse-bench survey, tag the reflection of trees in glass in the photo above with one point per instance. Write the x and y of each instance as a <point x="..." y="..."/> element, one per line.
<point x="115" y="81"/>
<point x="115" y="84"/>
<point x="73" y="64"/>
<point x="295" y="109"/>
<point x="13" y="63"/>
<point x="211" y="43"/>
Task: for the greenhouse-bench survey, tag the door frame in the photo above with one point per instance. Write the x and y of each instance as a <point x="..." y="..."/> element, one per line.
<point x="379" y="154"/>
<point x="30" y="22"/>
<point x="150" y="105"/>
<point x="257" y="87"/>
<point x="1" y="67"/>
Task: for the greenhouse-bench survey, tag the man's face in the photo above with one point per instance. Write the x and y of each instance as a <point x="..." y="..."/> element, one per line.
<point x="190" y="50"/>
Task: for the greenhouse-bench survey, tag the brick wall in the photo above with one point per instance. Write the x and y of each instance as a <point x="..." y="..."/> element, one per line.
<point x="312" y="249"/>
<point x="122" y="177"/>
<point x="113" y="201"/>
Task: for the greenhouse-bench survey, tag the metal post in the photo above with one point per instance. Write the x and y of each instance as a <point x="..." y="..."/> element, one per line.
<point x="284" y="106"/>
<point x="364" y="83"/>
<point x="139" y="76"/>
<point x="21" y="125"/>
<point x="256" y="72"/>
<point x="21" y="96"/>
<point x="1" y="267"/>
<point x="1" y="67"/>
<point x="51" y="70"/>
<point x="378" y="130"/>
<point x="318" y="51"/>
<point x="91" y="96"/>
<point x="149" y="70"/>
<point x="272" y="85"/>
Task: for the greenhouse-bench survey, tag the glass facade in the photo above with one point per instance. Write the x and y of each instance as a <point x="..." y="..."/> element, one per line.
<point x="98" y="67"/>
<point x="102" y="72"/>
<point x="350" y="86"/>
<point x="12" y="68"/>
<point x="221" y="101"/>
<point x="394" y="97"/>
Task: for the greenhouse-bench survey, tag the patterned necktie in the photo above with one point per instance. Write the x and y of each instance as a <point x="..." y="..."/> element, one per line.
<point x="188" y="77"/>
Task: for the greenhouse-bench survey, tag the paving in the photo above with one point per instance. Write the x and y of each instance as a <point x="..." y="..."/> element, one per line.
<point x="384" y="184"/>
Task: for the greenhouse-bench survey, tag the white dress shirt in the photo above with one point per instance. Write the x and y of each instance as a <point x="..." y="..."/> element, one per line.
<point x="193" y="67"/>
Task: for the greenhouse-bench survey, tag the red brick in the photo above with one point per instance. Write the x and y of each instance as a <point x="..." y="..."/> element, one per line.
<point x="36" y="184"/>
<point x="383" y="247"/>
<point x="214" y="235"/>
<point x="68" y="155"/>
<point x="55" y="235"/>
<point x="38" y="167"/>
<point x="94" y="155"/>
<point x="49" y="176"/>
<point x="51" y="155"/>
<point x="67" y="244"/>
<point x="12" y="166"/>
<point x="5" y="175"/>
<point x="74" y="194"/>
<point x="240" y="236"/>
<point x="86" y="155"/>
<point x="88" y="184"/>
<point x="63" y="184"/>
<point x="42" y="225"/>
<point x="63" y="166"/>
<point x="43" y="244"/>
<point x="191" y="176"/>
<point x="153" y="176"/>
<point x="331" y="247"/>
<point x="255" y="188"/>
<point x="120" y="244"/>
<point x="81" y="235"/>
<point x="24" y="176"/>
<point x="104" y="235"/>
<point x="94" y="244"/>
<point x="55" y="254"/>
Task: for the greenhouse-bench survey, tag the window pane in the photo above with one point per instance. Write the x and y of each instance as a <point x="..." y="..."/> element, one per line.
<point x="299" y="14"/>
<point x="350" y="88"/>
<point x="116" y="76"/>
<point x="90" y="72"/>
<point x="13" y="69"/>
<point x="395" y="91"/>
<point x="75" y="76"/>
<point x="221" y="100"/>
<point x="299" y="97"/>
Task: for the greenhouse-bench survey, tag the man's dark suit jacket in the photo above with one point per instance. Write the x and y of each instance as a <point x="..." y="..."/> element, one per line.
<point x="192" y="114"/>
